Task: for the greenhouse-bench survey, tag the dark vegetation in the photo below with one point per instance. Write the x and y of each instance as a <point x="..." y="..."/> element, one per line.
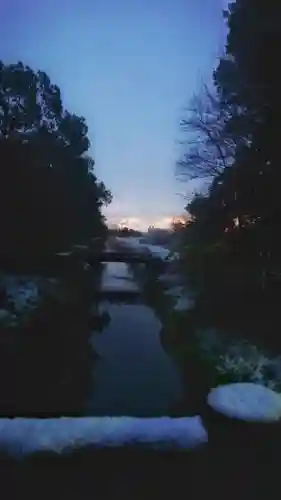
<point x="125" y="231"/>
<point x="50" y="196"/>
<point x="47" y="360"/>
<point x="136" y="473"/>
<point x="50" y="199"/>
<point x="230" y="249"/>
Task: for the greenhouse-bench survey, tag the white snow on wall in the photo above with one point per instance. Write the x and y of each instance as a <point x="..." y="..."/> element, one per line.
<point x="246" y="401"/>
<point x="20" y="436"/>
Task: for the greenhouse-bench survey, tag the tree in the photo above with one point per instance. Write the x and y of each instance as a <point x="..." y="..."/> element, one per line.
<point x="248" y="77"/>
<point x="208" y="149"/>
<point x="237" y="125"/>
<point x="49" y="194"/>
<point x="234" y="236"/>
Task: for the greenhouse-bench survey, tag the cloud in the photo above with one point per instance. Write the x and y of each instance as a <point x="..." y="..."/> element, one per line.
<point x="132" y="222"/>
<point x="141" y="223"/>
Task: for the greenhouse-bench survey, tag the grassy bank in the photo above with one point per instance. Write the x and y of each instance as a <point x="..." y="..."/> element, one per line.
<point x="206" y="356"/>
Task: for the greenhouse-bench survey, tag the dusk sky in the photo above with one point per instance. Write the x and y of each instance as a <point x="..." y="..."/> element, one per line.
<point x="129" y="67"/>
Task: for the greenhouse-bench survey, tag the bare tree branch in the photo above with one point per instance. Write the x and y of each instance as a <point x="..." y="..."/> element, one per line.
<point x="207" y="149"/>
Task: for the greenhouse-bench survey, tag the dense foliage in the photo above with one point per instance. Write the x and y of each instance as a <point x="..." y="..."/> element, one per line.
<point x="50" y="199"/>
<point x="232" y="246"/>
<point x="49" y="194"/>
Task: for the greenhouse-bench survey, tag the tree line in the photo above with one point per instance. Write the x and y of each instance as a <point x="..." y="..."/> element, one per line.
<point x="231" y="248"/>
<point x="50" y="196"/>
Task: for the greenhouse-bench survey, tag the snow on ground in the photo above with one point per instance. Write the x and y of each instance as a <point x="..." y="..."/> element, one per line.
<point x="159" y="251"/>
<point x="246" y="401"/>
<point x="244" y="361"/>
<point x="175" y="291"/>
<point x="239" y="360"/>
<point x="116" y="277"/>
<point x="132" y="242"/>
<point x="162" y="252"/>
<point x="183" y="304"/>
<point x="22" y="297"/>
<point x="20" y="436"/>
<point x="139" y="245"/>
<point x="81" y="247"/>
<point x="22" y="292"/>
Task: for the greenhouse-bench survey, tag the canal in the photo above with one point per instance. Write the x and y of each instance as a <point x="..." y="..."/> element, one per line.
<point x="133" y="375"/>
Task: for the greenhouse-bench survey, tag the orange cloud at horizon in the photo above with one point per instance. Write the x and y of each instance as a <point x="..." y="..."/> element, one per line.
<point x="141" y="224"/>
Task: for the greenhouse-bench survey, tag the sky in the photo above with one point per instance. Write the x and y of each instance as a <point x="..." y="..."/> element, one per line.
<point x="129" y="67"/>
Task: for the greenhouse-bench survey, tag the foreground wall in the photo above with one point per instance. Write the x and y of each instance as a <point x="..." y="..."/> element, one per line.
<point x="21" y="437"/>
<point x="132" y="458"/>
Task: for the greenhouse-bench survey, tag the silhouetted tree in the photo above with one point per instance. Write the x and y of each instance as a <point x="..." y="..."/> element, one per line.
<point x="208" y="150"/>
<point x="233" y="242"/>
<point x="49" y="194"/>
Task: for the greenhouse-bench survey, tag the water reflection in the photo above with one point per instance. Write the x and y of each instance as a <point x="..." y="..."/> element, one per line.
<point x="134" y="376"/>
<point x="74" y="355"/>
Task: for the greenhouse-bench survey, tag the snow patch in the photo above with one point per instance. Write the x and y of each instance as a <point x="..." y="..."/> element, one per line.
<point x="175" y="291"/>
<point x="158" y="251"/>
<point x="20" y="436"/>
<point x="138" y="245"/>
<point x="22" y="292"/>
<point x="246" y="401"/>
<point x="183" y="304"/>
<point x="132" y="242"/>
<point x="81" y="247"/>
<point x="246" y="362"/>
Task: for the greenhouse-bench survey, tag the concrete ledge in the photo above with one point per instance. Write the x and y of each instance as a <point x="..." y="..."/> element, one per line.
<point x="132" y="458"/>
<point x="22" y="437"/>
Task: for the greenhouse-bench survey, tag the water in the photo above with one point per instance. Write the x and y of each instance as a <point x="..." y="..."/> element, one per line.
<point x="53" y="340"/>
<point x="134" y="375"/>
<point x="116" y="277"/>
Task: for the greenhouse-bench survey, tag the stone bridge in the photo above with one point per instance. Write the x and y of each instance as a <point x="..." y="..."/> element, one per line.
<point x="58" y="263"/>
